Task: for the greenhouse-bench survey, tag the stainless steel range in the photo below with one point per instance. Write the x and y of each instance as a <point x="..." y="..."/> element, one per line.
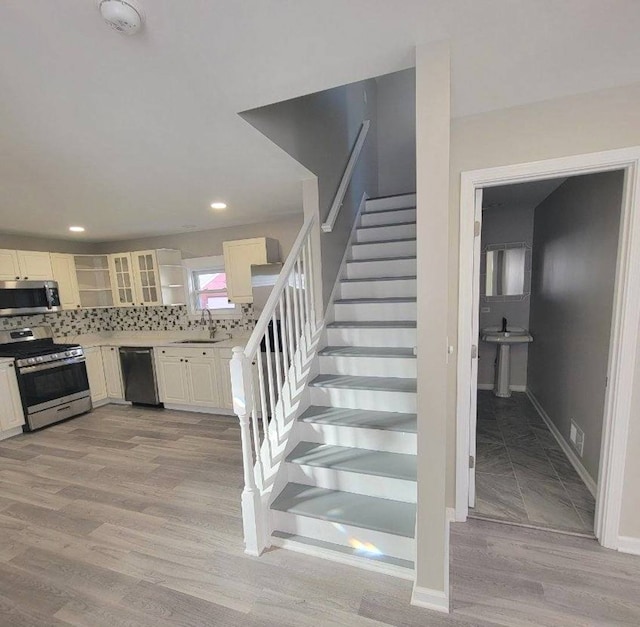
<point x="52" y="377"/>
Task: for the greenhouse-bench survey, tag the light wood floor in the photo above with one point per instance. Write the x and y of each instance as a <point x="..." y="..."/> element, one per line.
<point x="131" y="517"/>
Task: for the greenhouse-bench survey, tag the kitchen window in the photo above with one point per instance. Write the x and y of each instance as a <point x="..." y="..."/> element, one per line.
<point x="208" y="288"/>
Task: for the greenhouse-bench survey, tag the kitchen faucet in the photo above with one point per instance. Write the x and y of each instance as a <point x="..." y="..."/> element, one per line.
<point x="203" y="321"/>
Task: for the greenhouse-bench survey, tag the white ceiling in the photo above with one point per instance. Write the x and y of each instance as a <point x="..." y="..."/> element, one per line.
<point x="135" y="136"/>
<point x="521" y="195"/>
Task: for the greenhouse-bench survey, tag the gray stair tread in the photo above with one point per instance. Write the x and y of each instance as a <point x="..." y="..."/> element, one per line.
<point x="369" y="211"/>
<point x="347" y="550"/>
<point x="410" y="277"/>
<point x="350" y="382"/>
<point x="351" y="459"/>
<point x="384" y="241"/>
<point x="375" y="324"/>
<point x="368" y="351"/>
<point x="391" y="299"/>
<point x="398" y="258"/>
<point x="347" y="508"/>
<point x="382" y="226"/>
<point x="361" y="418"/>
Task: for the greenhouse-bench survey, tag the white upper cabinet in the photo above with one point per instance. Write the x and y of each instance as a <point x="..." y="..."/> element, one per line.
<point x="124" y="294"/>
<point x="146" y="277"/>
<point x="64" y="272"/>
<point x="239" y="256"/>
<point x="25" y="265"/>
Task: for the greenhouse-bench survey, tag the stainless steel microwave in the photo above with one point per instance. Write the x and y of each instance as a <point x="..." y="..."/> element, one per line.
<point x="28" y="297"/>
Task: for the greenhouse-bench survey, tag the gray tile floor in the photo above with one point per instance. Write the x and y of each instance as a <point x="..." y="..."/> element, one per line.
<point x="522" y="474"/>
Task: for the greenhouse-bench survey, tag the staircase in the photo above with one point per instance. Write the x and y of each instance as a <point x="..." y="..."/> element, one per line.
<point x="350" y="489"/>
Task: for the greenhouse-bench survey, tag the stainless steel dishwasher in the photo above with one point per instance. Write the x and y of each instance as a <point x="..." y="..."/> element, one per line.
<point x="139" y="375"/>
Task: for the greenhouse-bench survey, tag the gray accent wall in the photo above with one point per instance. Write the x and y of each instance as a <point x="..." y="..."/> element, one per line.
<point x="575" y="244"/>
<point x="319" y="131"/>
<point x="397" y="132"/>
<point x="505" y="225"/>
<point x="25" y="242"/>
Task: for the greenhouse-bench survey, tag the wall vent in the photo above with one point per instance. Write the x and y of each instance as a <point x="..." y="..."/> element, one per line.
<point x="576" y="436"/>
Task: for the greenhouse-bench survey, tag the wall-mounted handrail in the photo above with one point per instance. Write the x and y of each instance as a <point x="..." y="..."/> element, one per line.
<point x="327" y="225"/>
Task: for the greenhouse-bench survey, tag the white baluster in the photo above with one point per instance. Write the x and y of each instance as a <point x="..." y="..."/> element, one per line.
<point x="277" y="354"/>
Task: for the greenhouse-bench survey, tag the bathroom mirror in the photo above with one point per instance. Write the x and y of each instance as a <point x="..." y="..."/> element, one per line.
<point x="505" y="271"/>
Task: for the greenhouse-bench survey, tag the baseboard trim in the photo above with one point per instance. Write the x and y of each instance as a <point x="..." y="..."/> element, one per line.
<point x="568" y="451"/>
<point x="221" y="411"/>
<point x="10" y="433"/>
<point x="627" y="544"/>
<point x="451" y="514"/>
<point x="437" y="600"/>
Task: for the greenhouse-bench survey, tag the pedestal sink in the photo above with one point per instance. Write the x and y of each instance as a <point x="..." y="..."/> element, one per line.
<point x="513" y="335"/>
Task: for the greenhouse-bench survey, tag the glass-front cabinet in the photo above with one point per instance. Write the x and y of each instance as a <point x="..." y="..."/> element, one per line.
<point x="122" y="280"/>
<point x="146" y="277"/>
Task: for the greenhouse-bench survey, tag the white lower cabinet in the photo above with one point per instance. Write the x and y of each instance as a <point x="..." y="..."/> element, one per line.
<point x="112" y="372"/>
<point x="95" y="373"/>
<point x="194" y="377"/>
<point x="11" y="414"/>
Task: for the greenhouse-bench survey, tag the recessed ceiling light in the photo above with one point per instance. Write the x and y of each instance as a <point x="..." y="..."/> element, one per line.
<point x="218" y="205"/>
<point x="76" y="229"/>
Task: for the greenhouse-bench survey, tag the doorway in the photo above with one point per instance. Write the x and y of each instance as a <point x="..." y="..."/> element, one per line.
<point x="522" y="409"/>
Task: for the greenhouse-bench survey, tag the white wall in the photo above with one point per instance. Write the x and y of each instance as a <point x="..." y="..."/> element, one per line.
<point x="583" y="123"/>
<point x="505" y="225"/>
<point x="575" y="246"/>
<point x="319" y="131"/>
<point x="397" y="132"/>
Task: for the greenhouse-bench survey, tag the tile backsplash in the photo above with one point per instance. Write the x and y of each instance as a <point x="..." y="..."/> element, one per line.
<point x="83" y="321"/>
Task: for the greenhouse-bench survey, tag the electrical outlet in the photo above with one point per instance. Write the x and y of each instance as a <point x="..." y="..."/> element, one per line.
<point x="576" y="436"/>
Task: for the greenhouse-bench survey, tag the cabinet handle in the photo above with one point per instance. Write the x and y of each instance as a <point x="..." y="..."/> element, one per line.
<point x="182" y="360"/>
<point x="17" y="278"/>
<point x="26" y="278"/>
<point x="186" y="360"/>
<point x="163" y="352"/>
<point x="204" y="353"/>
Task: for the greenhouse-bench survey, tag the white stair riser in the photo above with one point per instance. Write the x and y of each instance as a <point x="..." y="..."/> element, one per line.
<point x="383" y="268"/>
<point x="388" y="217"/>
<point x="380" y="400"/>
<point x="372" y="439"/>
<point x="356" y="482"/>
<point x="380" y="233"/>
<point x="386" y="543"/>
<point x="377" y="250"/>
<point x="361" y="312"/>
<point x="391" y="202"/>
<point x="369" y="366"/>
<point x="406" y="288"/>
<point x="339" y="336"/>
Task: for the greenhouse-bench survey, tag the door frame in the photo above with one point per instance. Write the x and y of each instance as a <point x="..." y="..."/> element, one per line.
<point x="624" y="328"/>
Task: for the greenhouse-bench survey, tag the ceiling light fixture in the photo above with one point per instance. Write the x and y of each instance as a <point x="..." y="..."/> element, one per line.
<point x="218" y="205"/>
<point x="76" y="229"/>
<point x="121" y="16"/>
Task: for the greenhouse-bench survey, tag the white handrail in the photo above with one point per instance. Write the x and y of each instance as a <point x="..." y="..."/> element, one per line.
<point x="265" y="378"/>
<point x="327" y="225"/>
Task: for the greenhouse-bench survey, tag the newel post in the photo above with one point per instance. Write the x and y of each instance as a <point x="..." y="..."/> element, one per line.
<point x="252" y="515"/>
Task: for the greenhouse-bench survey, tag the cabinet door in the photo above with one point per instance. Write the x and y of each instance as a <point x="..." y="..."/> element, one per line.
<point x="122" y="284"/>
<point x="64" y="272"/>
<point x="112" y="372"/>
<point x="224" y="382"/>
<point x="203" y="385"/>
<point x="95" y="373"/>
<point x="35" y="266"/>
<point x="172" y="380"/>
<point x="145" y="269"/>
<point x="239" y="256"/>
<point x="11" y="414"/>
<point x="9" y="268"/>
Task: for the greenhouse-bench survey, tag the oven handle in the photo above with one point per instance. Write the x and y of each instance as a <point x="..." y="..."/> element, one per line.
<point x="51" y="365"/>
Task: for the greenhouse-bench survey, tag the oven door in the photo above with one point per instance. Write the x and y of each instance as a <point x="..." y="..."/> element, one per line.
<point x="47" y="385"/>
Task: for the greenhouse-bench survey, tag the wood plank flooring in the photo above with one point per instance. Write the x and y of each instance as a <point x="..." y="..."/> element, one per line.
<point x="131" y="516"/>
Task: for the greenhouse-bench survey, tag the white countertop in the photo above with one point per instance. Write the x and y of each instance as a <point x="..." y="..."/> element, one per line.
<point x="151" y="339"/>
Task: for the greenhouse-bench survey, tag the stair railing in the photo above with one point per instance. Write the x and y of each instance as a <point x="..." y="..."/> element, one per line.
<point x="266" y="380"/>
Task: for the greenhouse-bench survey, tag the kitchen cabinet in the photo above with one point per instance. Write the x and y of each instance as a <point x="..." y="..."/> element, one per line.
<point x="146" y="277"/>
<point x="11" y="414"/>
<point x="94" y="281"/>
<point x="64" y="272"/>
<point x="239" y="256"/>
<point x="112" y="372"/>
<point x="25" y="265"/>
<point x="188" y="376"/>
<point x="95" y="373"/>
<point x="224" y="380"/>
<point x="122" y="283"/>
